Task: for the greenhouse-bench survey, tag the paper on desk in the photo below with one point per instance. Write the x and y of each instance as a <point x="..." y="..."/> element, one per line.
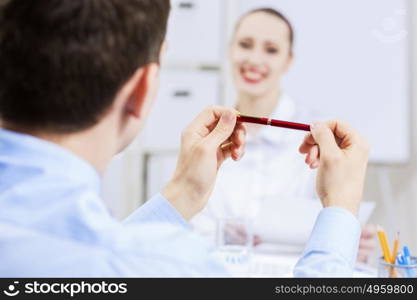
<point x="289" y="226"/>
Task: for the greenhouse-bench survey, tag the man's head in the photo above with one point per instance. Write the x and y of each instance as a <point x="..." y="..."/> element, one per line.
<point x="67" y="65"/>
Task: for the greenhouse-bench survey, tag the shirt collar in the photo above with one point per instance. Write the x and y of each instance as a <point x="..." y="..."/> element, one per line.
<point x="27" y="150"/>
<point x="285" y="111"/>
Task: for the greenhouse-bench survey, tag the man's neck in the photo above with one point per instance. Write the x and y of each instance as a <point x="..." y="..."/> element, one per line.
<point x="92" y="144"/>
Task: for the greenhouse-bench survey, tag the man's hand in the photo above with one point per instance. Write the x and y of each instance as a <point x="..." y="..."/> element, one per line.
<point x="341" y="156"/>
<point x="208" y="141"/>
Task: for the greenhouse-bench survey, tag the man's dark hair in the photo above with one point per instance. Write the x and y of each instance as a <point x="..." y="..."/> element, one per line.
<point x="62" y="62"/>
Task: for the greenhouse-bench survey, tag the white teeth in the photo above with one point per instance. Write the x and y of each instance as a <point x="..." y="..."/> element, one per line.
<point x="253" y="75"/>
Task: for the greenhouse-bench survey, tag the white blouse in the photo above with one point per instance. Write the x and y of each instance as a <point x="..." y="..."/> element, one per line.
<point x="272" y="169"/>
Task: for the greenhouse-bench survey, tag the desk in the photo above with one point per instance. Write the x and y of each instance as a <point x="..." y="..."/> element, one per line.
<point x="267" y="265"/>
<point x="261" y="265"/>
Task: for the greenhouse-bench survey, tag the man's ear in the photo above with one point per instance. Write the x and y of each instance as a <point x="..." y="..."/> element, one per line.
<point x="143" y="86"/>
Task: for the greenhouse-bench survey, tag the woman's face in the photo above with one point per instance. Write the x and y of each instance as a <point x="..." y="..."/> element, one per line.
<point x="260" y="53"/>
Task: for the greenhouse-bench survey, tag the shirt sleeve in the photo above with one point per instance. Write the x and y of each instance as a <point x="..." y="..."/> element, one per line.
<point x="333" y="245"/>
<point x="158" y="242"/>
<point x="157" y="210"/>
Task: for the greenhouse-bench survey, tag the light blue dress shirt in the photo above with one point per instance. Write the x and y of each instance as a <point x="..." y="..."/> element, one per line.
<point x="54" y="224"/>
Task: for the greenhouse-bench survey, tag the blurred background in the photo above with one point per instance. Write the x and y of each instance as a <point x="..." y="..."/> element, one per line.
<point x="353" y="60"/>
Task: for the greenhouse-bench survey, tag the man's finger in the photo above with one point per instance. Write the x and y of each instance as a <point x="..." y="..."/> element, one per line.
<point x="239" y="135"/>
<point x="344" y="134"/>
<point x="237" y="153"/>
<point x="312" y="155"/>
<point x="207" y="120"/>
<point x="325" y="138"/>
<point x="223" y="130"/>
<point x="308" y="142"/>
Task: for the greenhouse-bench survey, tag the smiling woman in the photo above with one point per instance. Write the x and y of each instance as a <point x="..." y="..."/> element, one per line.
<point x="261" y="53"/>
<point x="272" y="173"/>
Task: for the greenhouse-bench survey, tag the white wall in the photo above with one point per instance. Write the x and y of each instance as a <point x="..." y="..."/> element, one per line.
<point x="401" y="209"/>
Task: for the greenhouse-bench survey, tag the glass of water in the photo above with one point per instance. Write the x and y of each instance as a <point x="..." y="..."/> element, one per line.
<point x="234" y="241"/>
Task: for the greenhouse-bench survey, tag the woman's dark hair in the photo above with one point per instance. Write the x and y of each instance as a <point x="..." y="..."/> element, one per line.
<point x="277" y="14"/>
<point x="62" y="62"/>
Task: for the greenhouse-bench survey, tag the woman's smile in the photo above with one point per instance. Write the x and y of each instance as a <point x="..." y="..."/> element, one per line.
<point x="253" y="74"/>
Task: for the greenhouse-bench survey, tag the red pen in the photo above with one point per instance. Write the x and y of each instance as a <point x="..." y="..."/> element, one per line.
<point x="272" y="122"/>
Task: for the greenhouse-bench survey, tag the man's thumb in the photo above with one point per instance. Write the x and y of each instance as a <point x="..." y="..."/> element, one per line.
<point x="223" y="129"/>
<point x="325" y="138"/>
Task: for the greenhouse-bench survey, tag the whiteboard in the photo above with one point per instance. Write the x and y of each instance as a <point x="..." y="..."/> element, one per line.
<point x="352" y="63"/>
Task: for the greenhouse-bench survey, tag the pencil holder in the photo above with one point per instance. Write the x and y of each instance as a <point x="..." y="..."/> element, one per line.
<point x="386" y="270"/>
